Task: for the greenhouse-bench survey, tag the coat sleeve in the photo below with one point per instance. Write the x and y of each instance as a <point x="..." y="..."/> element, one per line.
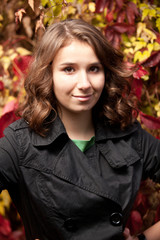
<point x="151" y="156"/>
<point x="9" y="172"/>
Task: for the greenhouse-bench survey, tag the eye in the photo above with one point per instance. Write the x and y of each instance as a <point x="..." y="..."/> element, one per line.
<point x="68" y="69"/>
<point x="94" y="69"/>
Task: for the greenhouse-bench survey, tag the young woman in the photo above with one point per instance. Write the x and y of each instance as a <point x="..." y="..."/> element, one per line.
<point x="74" y="162"/>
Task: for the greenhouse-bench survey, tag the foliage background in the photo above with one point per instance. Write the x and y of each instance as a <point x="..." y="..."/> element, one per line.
<point x="132" y="26"/>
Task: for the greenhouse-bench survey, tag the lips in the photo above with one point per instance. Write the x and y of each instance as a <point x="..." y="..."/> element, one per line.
<point x="83" y="98"/>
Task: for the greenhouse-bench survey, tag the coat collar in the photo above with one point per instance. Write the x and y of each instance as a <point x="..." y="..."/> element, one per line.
<point x="56" y="130"/>
<point x="102" y="133"/>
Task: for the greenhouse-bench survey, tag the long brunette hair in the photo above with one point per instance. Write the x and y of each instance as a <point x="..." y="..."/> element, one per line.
<point x="40" y="107"/>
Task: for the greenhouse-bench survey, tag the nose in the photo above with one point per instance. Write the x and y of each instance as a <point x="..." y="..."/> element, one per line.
<point x="83" y="81"/>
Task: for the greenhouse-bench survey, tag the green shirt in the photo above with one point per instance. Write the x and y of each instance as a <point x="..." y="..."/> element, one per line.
<point x="83" y="145"/>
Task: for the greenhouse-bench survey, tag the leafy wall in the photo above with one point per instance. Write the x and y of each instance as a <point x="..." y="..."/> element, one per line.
<point x="133" y="26"/>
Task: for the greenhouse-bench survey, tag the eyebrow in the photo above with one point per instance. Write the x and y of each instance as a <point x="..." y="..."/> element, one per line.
<point x="71" y="63"/>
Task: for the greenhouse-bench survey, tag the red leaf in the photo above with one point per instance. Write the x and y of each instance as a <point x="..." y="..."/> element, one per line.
<point x="112" y="36"/>
<point x="109" y="16"/>
<point x="5" y="228"/>
<point x="157" y="217"/>
<point x="141" y="203"/>
<point x="1" y="86"/>
<point x="135" y="222"/>
<point x="123" y="27"/>
<point x="21" y="64"/>
<point x="100" y="5"/>
<point x="140" y="72"/>
<point x="119" y="3"/>
<point x="116" y="40"/>
<point x="6" y="120"/>
<point x="153" y="60"/>
<point x="121" y="16"/>
<point x="9" y="107"/>
<point x="131" y="12"/>
<point x="109" y="33"/>
<point x="137" y="87"/>
<point x="150" y="121"/>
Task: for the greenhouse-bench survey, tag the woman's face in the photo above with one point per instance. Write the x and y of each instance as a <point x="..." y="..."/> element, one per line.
<point x="78" y="77"/>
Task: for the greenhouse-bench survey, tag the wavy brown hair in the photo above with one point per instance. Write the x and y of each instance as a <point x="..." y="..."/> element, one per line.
<point x="40" y="107"/>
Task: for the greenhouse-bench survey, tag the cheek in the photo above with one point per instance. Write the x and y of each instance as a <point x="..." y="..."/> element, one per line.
<point x="100" y="84"/>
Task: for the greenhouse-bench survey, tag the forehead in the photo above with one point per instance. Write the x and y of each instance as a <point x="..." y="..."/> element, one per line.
<point x="75" y="49"/>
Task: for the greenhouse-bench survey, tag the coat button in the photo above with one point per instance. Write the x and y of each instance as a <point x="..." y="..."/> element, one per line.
<point x="116" y="218"/>
<point x="70" y="224"/>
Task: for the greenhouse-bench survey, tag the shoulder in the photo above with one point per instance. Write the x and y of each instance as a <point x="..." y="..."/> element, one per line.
<point x="19" y="124"/>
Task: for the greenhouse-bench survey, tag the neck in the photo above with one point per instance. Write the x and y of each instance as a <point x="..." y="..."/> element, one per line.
<point x="78" y="126"/>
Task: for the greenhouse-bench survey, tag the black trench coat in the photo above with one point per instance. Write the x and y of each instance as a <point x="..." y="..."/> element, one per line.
<point x="59" y="192"/>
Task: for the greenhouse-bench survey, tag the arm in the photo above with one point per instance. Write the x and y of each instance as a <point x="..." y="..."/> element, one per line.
<point x="152" y="233"/>
<point x="9" y="171"/>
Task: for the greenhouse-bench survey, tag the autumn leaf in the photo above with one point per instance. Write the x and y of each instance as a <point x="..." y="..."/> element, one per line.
<point x="140" y="72"/>
<point x="19" y="15"/>
<point x="34" y="4"/>
<point x="6" y="120"/>
<point x="5" y="228"/>
<point x="121" y="16"/>
<point x="123" y="28"/>
<point x="135" y="222"/>
<point x="153" y="60"/>
<point x="20" y="65"/>
<point x="100" y="5"/>
<point x="131" y="12"/>
<point x="150" y="121"/>
<point x="119" y="3"/>
<point x="31" y="4"/>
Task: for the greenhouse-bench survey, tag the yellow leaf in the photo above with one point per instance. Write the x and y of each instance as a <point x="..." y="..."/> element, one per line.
<point x="22" y="51"/>
<point x="127" y="44"/>
<point x="15" y="78"/>
<point x="2" y="209"/>
<point x="141" y="56"/>
<point x="11" y="53"/>
<point x="71" y="10"/>
<point x="145" y="77"/>
<point x="158" y="23"/>
<point x="137" y="56"/>
<point x="150" y="47"/>
<point x="156" y="46"/>
<point x="140" y="27"/>
<point x="150" y="34"/>
<point x="157" y="106"/>
<point x="143" y="5"/>
<point x="138" y="45"/>
<point x="92" y="6"/>
<point x="129" y="50"/>
<point x="1" y="50"/>
<point x="5" y="61"/>
<point x="132" y="39"/>
<point x="1" y="17"/>
<point x="145" y="13"/>
<point x="152" y="13"/>
<point x="6" y="198"/>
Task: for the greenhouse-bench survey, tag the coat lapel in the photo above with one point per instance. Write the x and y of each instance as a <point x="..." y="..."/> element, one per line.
<point x="72" y="166"/>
